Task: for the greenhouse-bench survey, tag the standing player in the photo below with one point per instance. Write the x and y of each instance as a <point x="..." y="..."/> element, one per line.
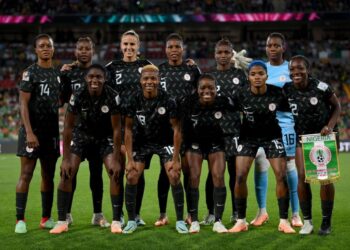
<point x="316" y="109"/>
<point x="179" y="79"/>
<point x="278" y="75"/>
<point x="125" y="80"/>
<point x="228" y="80"/>
<point x="92" y="125"/>
<point x="259" y="103"/>
<point x="152" y="127"/>
<point x="72" y="80"/>
<point x="204" y="139"/>
<point x="38" y="135"/>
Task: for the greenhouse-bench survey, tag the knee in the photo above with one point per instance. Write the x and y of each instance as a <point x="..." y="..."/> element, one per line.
<point x="26" y="176"/>
<point x="132" y="178"/>
<point x="281" y="177"/>
<point x="174" y="179"/>
<point x="194" y="180"/>
<point x="218" y="180"/>
<point x="241" y="178"/>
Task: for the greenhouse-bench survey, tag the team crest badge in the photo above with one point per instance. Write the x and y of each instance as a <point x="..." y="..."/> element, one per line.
<point x="320" y="156"/>
<point x="235" y="80"/>
<point x="283" y="78"/>
<point x="71" y="143"/>
<point x="218" y="115"/>
<point x="140" y="70"/>
<point x="313" y="100"/>
<point x="29" y="150"/>
<point x="187" y="77"/>
<point x="195" y="146"/>
<point x="104" y="109"/>
<point x="58" y="79"/>
<point x="161" y="110"/>
<point x="272" y="107"/>
<point x="239" y="148"/>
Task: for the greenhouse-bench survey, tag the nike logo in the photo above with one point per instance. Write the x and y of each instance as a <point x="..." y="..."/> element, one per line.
<point x="75" y="80"/>
<point x="43" y="80"/>
<point x="219" y="205"/>
<point x="118" y="71"/>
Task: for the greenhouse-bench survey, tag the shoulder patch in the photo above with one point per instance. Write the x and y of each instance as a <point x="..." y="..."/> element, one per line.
<point x="25" y="76"/>
<point x="72" y="100"/>
<point x="322" y="86"/>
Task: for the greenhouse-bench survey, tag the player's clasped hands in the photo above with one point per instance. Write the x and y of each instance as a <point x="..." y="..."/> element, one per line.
<point x="66" y="169"/>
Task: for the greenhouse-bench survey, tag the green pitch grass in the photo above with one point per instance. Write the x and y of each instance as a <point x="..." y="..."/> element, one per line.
<point x="82" y="235"/>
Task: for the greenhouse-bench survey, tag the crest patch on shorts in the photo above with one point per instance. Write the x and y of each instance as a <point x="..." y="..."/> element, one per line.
<point x="195" y="146"/>
<point x="29" y="150"/>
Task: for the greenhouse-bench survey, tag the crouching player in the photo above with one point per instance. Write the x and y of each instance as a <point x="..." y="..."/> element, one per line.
<point x="152" y="127"/>
<point x="92" y="124"/>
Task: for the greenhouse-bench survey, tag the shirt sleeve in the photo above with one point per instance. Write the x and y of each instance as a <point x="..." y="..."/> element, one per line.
<point x="66" y="88"/>
<point x="73" y="105"/>
<point x="115" y="105"/>
<point x="328" y="92"/>
<point x="26" y="84"/>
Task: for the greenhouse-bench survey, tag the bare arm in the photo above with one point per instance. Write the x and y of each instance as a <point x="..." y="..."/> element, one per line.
<point x="128" y="144"/>
<point x="24" y="98"/>
<point x="177" y="138"/>
<point x="117" y="139"/>
<point x="68" y="134"/>
<point x="327" y="129"/>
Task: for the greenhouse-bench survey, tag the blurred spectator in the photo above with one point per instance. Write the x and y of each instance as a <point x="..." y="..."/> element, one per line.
<point x="50" y="7"/>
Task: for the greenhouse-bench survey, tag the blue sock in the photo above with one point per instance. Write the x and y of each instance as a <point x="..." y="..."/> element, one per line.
<point x="292" y="179"/>
<point x="261" y="180"/>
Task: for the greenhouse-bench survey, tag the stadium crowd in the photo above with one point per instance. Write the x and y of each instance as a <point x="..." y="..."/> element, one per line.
<point x="21" y="7"/>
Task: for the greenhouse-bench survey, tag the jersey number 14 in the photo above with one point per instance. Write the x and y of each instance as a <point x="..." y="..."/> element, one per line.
<point x="44" y="89"/>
